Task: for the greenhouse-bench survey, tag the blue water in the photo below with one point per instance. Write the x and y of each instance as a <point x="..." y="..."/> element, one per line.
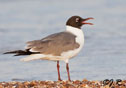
<point x="104" y="52"/>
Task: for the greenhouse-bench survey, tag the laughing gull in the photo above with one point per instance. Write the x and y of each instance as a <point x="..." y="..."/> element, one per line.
<point x="57" y="47"/>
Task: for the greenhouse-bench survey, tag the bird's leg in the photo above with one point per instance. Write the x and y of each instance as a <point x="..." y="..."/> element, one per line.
<point x="58" y="66"/>
<point x="67" y="67"/>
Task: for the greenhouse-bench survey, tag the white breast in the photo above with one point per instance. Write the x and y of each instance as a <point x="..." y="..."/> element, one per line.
<point x="79" y="33"/>
<point x="79" y="39"/>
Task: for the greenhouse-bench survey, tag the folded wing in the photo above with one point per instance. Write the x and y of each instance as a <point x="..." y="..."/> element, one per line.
<point x="54" y="44"/>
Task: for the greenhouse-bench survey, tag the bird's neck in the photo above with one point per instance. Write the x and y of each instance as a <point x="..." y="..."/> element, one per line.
<point x="73" y="30"/>
<point x="77" y="32"/>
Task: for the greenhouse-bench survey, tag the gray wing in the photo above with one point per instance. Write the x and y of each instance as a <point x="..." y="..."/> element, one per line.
<point x="54" y="44"/>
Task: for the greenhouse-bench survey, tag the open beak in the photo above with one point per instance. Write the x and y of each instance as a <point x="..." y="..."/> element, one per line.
<point x="84" y="21"/>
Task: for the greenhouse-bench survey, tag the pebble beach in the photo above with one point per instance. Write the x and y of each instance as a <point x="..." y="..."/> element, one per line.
<point x="66" y="84"/>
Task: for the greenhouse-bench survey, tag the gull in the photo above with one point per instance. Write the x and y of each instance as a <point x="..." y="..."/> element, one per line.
<point x="57" y="47"/>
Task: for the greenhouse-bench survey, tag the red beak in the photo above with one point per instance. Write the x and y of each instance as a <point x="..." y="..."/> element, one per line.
<point x="83" y="22"/>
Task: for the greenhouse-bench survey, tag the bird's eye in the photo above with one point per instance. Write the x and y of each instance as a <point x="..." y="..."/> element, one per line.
<point x="77" y="19"/>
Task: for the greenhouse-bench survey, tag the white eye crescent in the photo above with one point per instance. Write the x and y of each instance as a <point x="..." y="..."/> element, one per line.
<point x="77" y="19"/>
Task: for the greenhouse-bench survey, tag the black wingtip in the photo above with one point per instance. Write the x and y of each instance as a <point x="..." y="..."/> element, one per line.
<point x="20" y="52"/>
<point x="10" y="52"/>
<point x="6" y="53"/>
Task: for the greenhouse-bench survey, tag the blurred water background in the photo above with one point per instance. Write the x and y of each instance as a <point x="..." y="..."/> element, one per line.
<point x="104" y="53"/>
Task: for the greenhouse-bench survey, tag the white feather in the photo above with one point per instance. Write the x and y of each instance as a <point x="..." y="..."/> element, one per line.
<point x="32" y="57"/>
<point x="42" y="56"/>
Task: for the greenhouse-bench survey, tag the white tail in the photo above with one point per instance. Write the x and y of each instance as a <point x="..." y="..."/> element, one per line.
<point x="32" y="57"/>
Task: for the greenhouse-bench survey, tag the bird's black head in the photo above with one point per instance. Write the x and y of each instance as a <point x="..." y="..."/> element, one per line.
<point x="77" y="21"/>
